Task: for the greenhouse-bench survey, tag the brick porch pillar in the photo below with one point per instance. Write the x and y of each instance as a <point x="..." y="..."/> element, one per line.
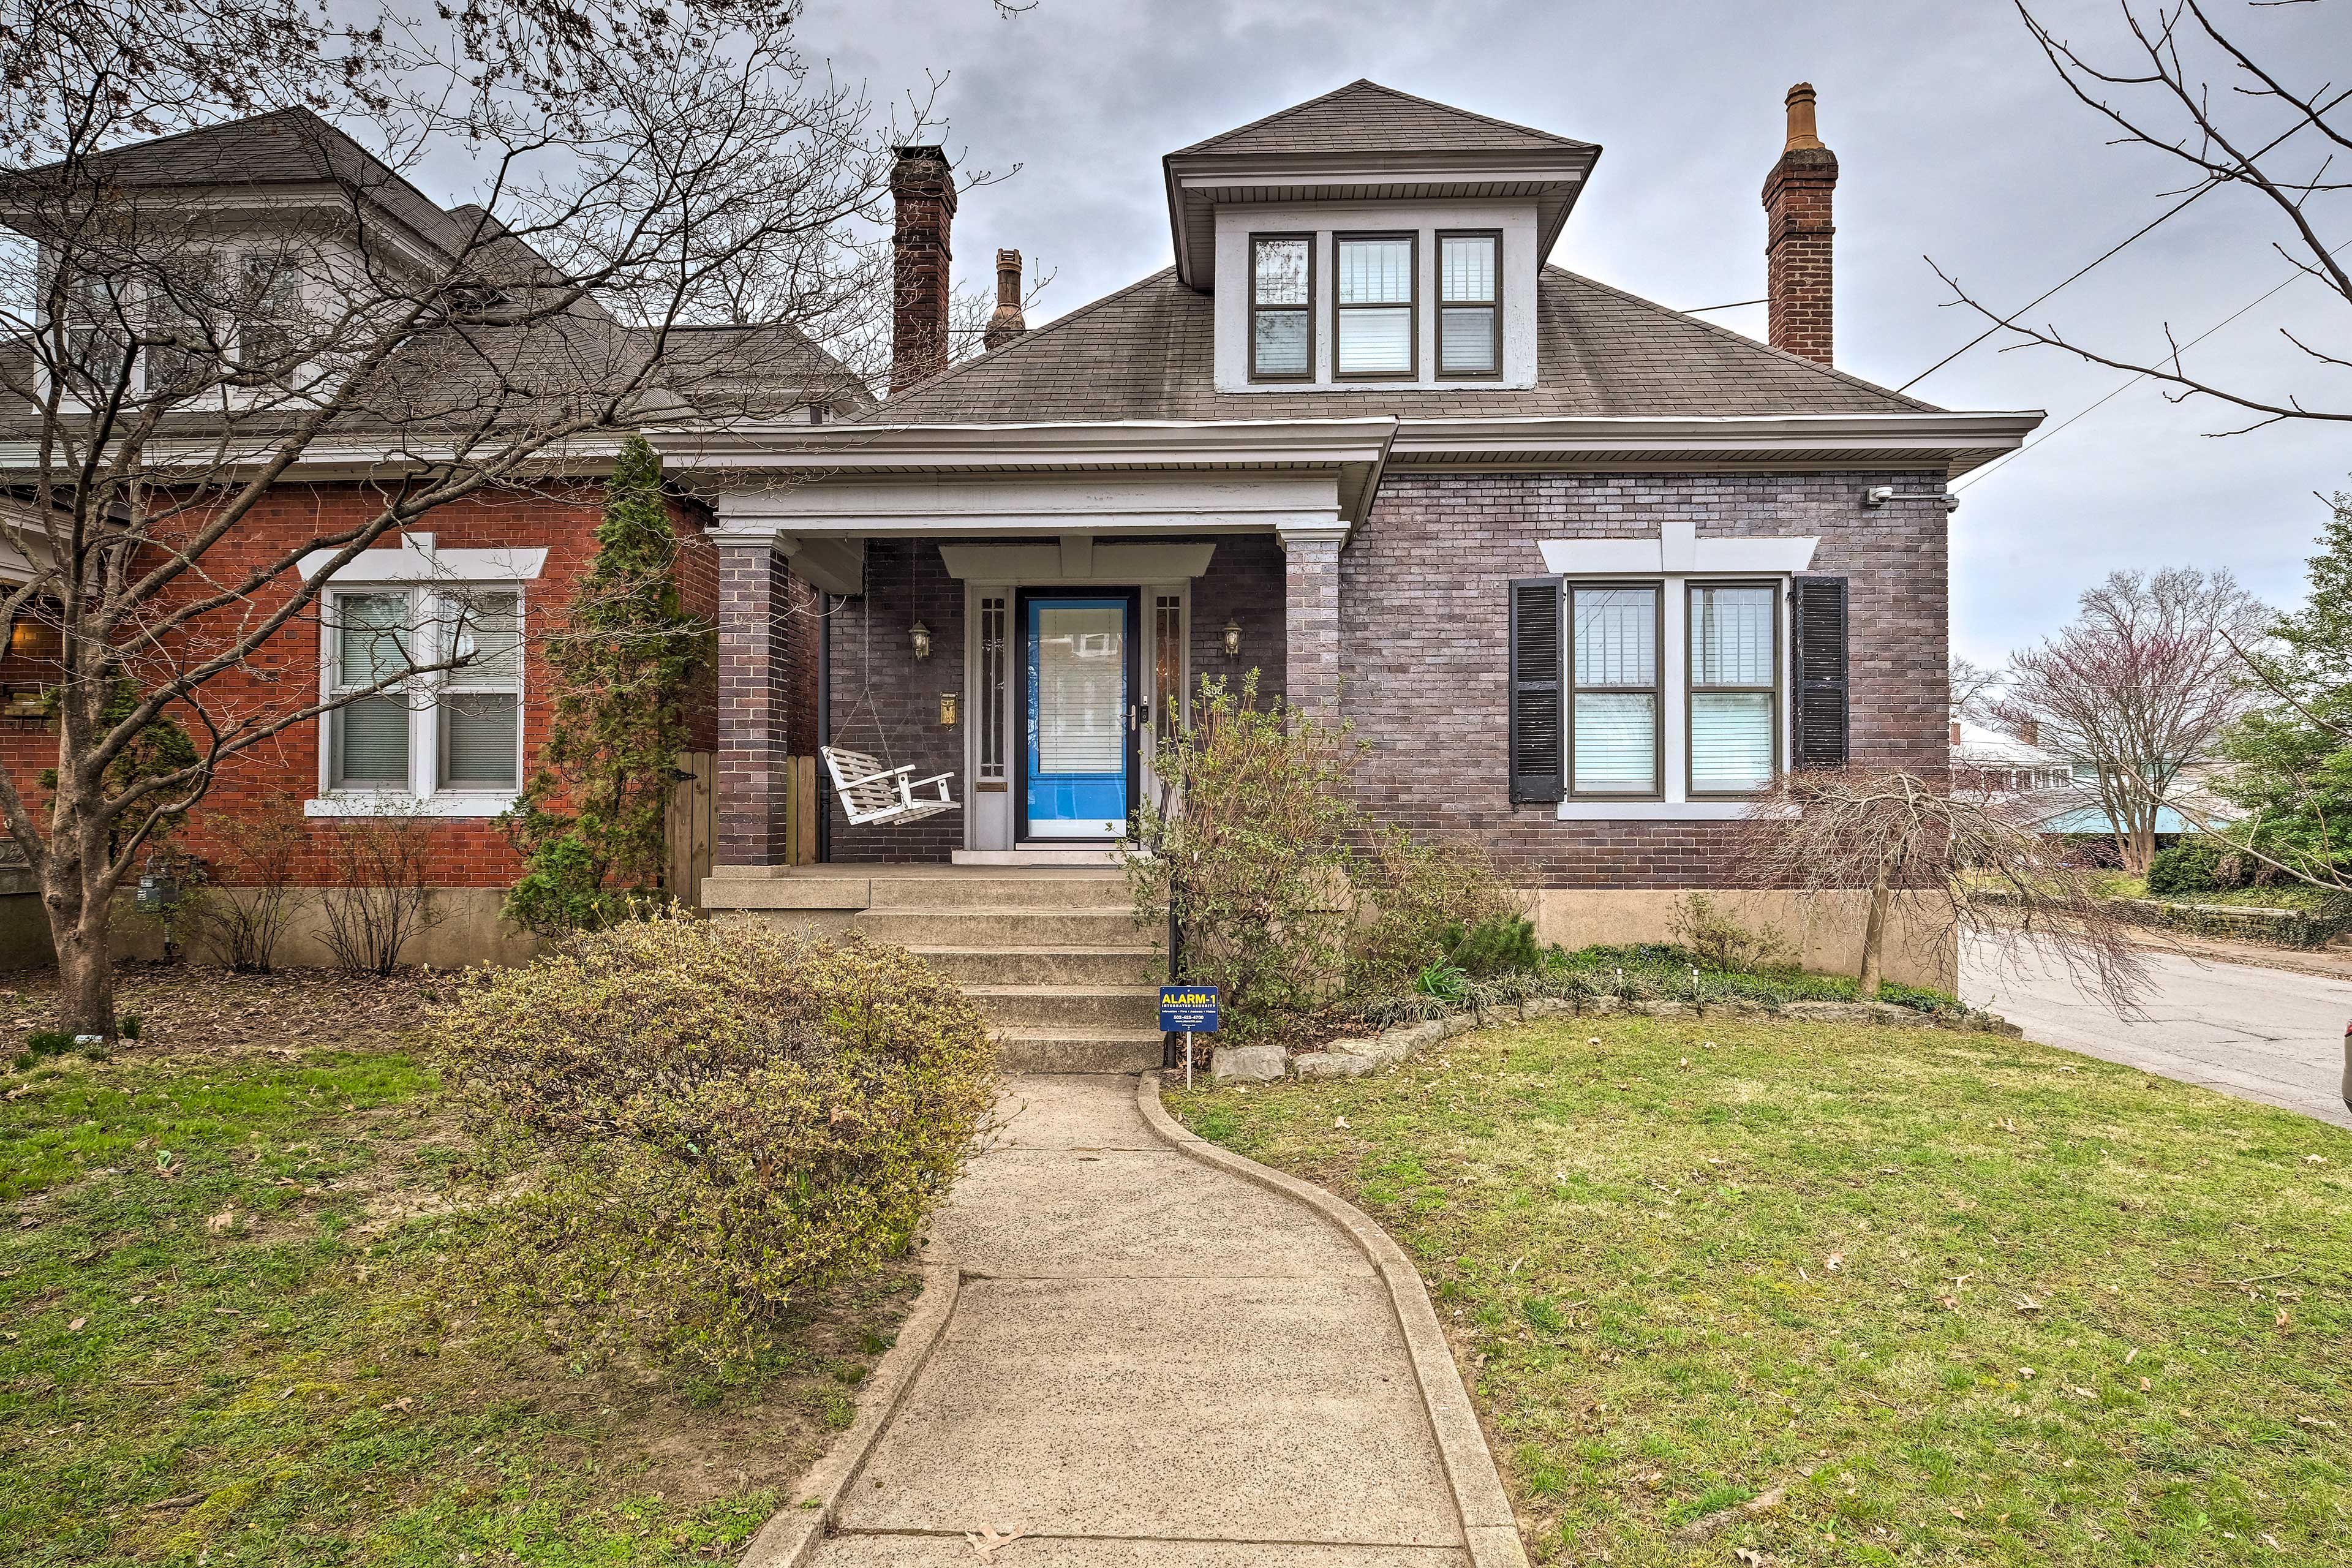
<point x="756" y="684"/>
<point x="1310" y="616"/>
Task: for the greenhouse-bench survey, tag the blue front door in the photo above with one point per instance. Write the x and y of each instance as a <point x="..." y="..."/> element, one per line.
<point x="1078" y="746"/>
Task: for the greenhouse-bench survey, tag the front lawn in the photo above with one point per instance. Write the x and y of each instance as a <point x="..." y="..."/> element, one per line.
<point x="1958" y="1298"/>
<point x="221" y="1340"/>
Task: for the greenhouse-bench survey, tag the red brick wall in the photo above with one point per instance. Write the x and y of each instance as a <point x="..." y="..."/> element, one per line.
<point x="466" y="852"/>
<point x="1424" y="624"/>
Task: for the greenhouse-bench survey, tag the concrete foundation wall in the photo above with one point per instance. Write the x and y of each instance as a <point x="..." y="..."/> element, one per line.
<point x="467" y="930"/>
<point x="1825" y="929"/>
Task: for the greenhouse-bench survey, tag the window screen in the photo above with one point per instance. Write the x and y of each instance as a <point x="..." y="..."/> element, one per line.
<point x="1374" y="294"/>
<point x="481" y="699"/>
<point x="1613" y="733"/>
<point x="1734" y="661"/>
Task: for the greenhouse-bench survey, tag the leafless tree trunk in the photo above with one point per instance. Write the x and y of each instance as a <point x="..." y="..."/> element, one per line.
<point x="2263" y="136"/>
<point x="2139" y="688"/>
<point x="648" y="175"/>
<point x="1975" y="861"/>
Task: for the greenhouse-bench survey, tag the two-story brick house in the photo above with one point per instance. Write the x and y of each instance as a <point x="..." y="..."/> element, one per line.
<point x="1585" y="571"/>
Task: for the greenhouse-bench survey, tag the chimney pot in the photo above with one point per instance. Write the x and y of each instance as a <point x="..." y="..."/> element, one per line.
<point x="1797" y="235"/>
<point x="1006" y="324"/>
<point x="922" y="190"/>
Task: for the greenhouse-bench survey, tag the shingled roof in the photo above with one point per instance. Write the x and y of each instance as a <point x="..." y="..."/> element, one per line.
<point x="1148" y="352"/>
<point x="1364" y="116"/>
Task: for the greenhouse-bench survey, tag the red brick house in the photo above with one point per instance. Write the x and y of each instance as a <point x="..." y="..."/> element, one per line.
<point x="288" y="192"/>
<point x="1586" y="571"/>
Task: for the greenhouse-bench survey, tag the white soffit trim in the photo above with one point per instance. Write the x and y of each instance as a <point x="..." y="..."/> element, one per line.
<point x="408" y="564"/>
<point x="1050" y="563"/>
<point x="1684" y="557"/>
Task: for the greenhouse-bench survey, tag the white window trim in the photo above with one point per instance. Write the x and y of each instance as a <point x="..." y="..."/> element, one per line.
<point x="424" y="796"/>
<point x="1676" y="559"/>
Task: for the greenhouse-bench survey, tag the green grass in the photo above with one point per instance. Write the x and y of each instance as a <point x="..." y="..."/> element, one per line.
<point x="1692" y="1262"/>
<point x="221" y="1342"/>
<point x="2280" y="896"/>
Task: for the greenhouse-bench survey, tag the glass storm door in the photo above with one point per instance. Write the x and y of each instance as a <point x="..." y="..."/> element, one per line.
<point x="1079" y="760"/>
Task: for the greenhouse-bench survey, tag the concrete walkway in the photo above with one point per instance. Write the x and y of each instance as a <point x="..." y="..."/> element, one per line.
<point x="2260" y="1033"/>
<point x="1150" y="1362"/>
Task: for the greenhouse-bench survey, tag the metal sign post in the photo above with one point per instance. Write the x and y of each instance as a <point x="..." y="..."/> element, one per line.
<point x="1188" y="1010"/>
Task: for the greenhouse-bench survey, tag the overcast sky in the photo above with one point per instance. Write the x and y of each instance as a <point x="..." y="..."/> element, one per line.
<point x="1954" y="140"/>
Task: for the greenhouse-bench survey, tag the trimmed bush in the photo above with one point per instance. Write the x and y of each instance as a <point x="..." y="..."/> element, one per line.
<point x="686" y="1126"/>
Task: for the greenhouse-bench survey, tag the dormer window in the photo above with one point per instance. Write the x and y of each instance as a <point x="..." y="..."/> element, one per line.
<point x="1469" y="306"/>
<point x="1281" y="314"/>
<point x="1373" y="304"/>
<point x="271" y="305"/>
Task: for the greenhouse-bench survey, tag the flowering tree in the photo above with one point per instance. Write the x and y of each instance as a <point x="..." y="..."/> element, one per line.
<point x="2139" y="688"/>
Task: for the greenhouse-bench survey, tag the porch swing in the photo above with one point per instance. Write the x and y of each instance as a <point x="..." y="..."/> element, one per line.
<point x="871" y="790"/>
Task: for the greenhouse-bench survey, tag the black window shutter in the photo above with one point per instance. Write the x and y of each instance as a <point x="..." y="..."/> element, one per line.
<point x="1818" y="648"/>
<point x="1536" y="734"/>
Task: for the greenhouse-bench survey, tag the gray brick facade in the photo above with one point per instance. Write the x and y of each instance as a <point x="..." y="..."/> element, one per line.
<point x="1424" y="621"/>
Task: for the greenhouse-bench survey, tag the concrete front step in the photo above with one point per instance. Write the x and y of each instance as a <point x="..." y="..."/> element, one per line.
<point x="1115" y="1007"/>
<point x="1078" y="1050"/>
<point x="1081" y="966"/>
<point x="1028" y="891"/>
<point x="1004" y="928"/>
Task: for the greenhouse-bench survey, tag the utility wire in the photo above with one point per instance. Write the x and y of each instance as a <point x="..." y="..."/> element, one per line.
<point x="2165" y="216"/>
<point x="1703" y="310"/>
<point x="2127" y="384"/>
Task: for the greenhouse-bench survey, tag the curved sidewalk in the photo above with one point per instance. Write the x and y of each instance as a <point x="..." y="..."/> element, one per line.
<point x="1155" y="1355"/>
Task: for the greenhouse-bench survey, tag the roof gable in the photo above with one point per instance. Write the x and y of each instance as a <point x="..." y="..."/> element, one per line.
<point x="1364" y="116"/>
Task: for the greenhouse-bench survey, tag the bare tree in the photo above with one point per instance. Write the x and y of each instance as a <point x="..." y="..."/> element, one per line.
<point x="2139" y="689"/>
<point x="182" y="343"/>
<point x="2264" y="135"/>
<point x="1978" y="864"/>
<point x="1973" y="687"/>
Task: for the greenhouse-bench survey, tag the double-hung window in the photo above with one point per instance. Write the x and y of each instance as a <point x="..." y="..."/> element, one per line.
<point x="1735" y="640"/>
<point x="371" y="639"/>
<point x="1614" y="697"/>
<point x="458" y="731"/>
<point x="269" y="310"/>
<point x="1282" y="307"/>
<point x="479" y="713"/>
<point x="1469" y="306"/>
<point x="1373" y="308"/>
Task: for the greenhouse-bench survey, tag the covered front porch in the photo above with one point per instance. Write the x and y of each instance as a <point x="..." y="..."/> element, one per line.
<point x="1031" y="634"/>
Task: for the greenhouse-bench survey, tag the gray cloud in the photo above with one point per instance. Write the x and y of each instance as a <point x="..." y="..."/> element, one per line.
<point x="1955" y="138"/>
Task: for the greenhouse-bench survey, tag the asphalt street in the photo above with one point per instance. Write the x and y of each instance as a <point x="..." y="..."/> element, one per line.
<point x="2261" y="1034"/>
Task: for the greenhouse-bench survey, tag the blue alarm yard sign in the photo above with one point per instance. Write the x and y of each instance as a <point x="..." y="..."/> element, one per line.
<point x="1188" y="1009"/>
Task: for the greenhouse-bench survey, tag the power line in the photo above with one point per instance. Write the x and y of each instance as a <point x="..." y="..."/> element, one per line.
<point x="2132" y="382"/>
<point x="2165" y="216"/>
<point x="1703" y="310"/>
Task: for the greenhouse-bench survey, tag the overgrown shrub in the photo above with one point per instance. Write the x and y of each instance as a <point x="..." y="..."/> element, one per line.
<point x="2189" y="867"/>
<point x="1717" y="940"/>
<point x="1423" y="898"/>
<point x="687" y="1125"/>
<point x="1252" y="849"/>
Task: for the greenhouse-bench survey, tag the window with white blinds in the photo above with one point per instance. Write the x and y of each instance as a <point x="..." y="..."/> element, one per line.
<point x="1373" y="307"/>
<point x="1614" y="697"/>
<point x="1734" y="670"/>
<point x="459" y="730"/>
<point x="1469" y="305"/>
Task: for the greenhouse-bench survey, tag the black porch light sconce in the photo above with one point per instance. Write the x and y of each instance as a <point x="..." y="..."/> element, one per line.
<point x="920" y="635"/>
<point x="1232" y="637"/>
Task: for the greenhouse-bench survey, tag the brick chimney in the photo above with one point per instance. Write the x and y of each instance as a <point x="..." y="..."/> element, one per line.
<point x="922" y="189"/>
<point x="1797" y="235"/>
<point x="1006" y="324"/>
